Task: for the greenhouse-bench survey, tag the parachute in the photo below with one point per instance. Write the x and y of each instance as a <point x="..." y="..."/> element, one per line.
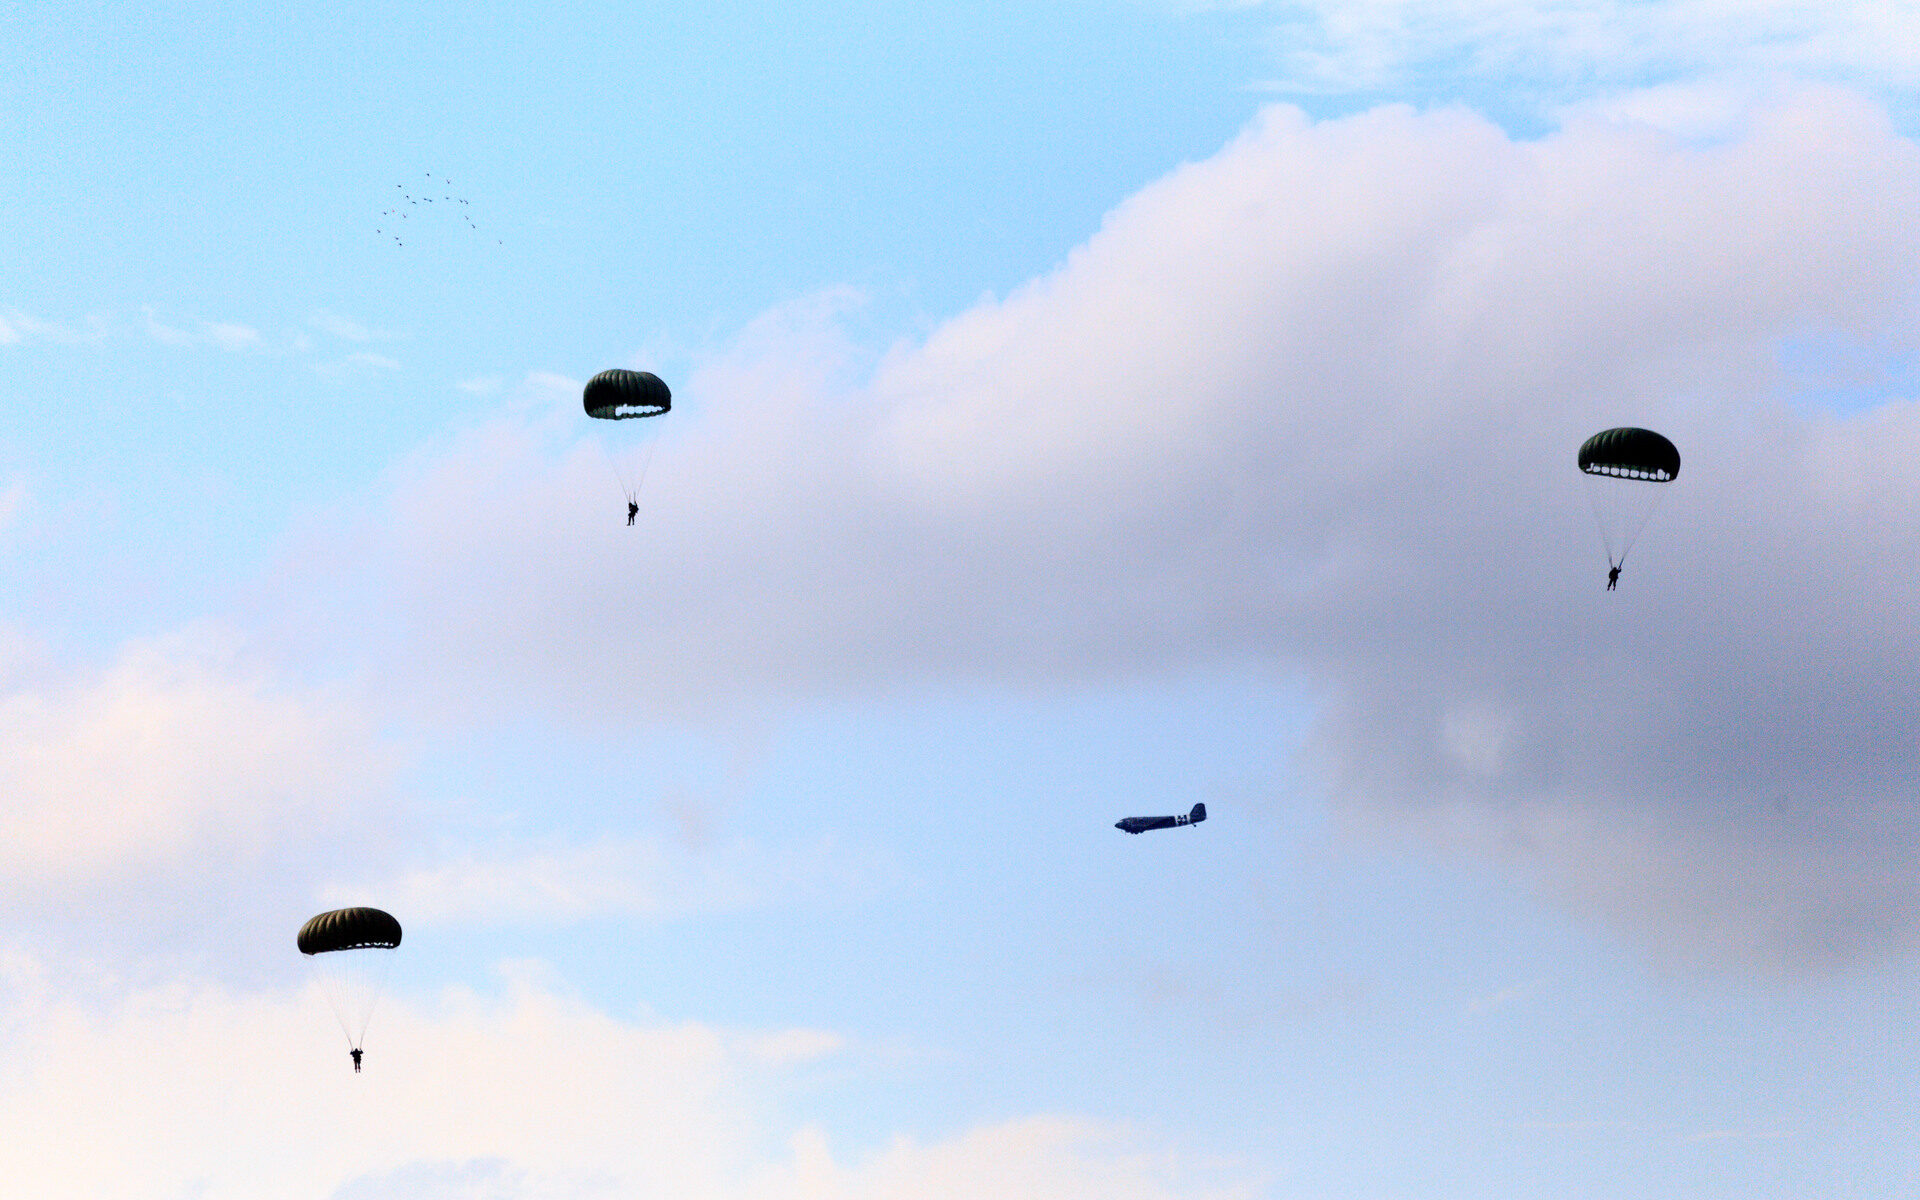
<point x="619" y="395"/>
<point x="349" y="929"/>
<point x="1627" y="469"/>
<point x="352" y="949"/>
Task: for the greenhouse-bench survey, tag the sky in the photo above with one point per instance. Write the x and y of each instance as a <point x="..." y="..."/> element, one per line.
<point x="1080" y="411"/>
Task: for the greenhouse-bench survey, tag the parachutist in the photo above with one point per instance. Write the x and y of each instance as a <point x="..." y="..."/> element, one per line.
<point x="1613" y="578"/>
<point x="633" y="510"/>
<point x="351" y="983"/>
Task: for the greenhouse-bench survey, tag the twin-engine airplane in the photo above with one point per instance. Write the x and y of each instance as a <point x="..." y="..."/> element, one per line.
<point x="1142" y="824"/>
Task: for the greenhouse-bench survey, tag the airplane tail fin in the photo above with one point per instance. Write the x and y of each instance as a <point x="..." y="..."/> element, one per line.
<point x="1198" y="814"/>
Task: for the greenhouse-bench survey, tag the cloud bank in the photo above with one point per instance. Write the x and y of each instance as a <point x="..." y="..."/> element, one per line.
<point x="523" y="1094"/>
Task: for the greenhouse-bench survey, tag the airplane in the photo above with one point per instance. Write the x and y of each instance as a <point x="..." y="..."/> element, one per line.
<point x="1142" y="824"/>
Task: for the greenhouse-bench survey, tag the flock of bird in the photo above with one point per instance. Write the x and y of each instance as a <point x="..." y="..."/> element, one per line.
<point x="409" y="200"/>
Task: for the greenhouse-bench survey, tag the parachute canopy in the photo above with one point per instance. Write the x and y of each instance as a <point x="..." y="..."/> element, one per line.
<point x="1629" y="453"/>
<point x="349" y="929"/>
<point x="616" y="395"/>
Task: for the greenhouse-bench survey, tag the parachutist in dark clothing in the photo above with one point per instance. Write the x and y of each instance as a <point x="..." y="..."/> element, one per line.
<point x="356" y="1052"/>
<point x="1613" y="578"/>
<point x="633" y="510"/>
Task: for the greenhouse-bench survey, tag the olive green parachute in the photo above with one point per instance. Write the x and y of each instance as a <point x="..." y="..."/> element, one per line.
<point x="617" y="395"/>
<point x="349" y="929"/>
<point x="351" y="950"/>
<point x="1629" y="453"/>
<point x="1627" y="469"/>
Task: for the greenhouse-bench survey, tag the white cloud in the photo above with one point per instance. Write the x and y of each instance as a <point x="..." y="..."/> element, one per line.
<point x="641" y="878"/>
<point x="1703" y="110"/>
<point x="12" y="499"/>
<point x="166" y="335"/>
<point x="1366" y="45"/>
<point x="359" y="361"/>
<point x="179" y="751"/>
<point x="344" y="328"/>
<point x="1311" y="403"/>
<point x="229" y="336"/>
<point x="226" y="335"/>
<point x="1058" y="1158"/>
<point x="17" y="327"/>
<point x="186" y="1089"/>
<point x="232" y="336"/>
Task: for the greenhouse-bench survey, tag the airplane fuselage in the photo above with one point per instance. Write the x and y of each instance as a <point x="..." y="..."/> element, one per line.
<point x="1142" y="824"/>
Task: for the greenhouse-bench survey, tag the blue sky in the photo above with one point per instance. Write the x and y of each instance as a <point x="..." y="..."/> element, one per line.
<point x="1080" y="411"/>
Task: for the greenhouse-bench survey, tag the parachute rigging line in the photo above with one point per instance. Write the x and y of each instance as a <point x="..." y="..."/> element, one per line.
<point x="630" y="490"/>
<point x="1630" y="532"/>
